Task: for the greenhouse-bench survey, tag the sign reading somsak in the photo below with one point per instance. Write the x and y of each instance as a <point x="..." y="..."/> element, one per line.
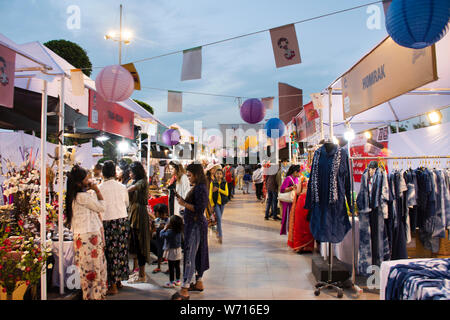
<point x="388" y="71"/>
<point x="110" y="117"/>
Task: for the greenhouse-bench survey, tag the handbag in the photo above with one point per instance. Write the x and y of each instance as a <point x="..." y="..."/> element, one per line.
<point x="287" y="196"/>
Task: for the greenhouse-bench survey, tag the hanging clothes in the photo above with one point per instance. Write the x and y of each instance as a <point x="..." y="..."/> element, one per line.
<point x="328" y="187"/>
<point x="372" y="202"/>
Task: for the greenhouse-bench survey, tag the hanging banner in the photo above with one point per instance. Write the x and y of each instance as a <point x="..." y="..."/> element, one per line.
<point x="192" y="64"/>
<point x="285" y="46"/>
<point x="132" y="69"/>
<point x="305" y="128"/>
<point x="268" y="103"/>
<point x="76" y="78"/>
<point x="316" y="99"/>
<point x="387" y="72"/>
<point x="375" y="146"/>
<point x="110" y="117"/>
<point x="311" y="113"/>
<point x="174" y="101"/>
<point x="290" y="101"/>
<point x="282" y="142"/>
<point x="7" y="69"/>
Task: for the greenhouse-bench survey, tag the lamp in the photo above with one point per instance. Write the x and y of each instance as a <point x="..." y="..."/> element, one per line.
<point x="349" y="134"/>
<point x="123" y="146"/>
<point x="435" y="117"/>
<point x="102" y="138"/>
<point x="367" y="134"/>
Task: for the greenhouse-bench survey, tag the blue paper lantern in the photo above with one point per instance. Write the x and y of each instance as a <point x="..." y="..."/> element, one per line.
<point x="274" y="124"/>
<point x="417" y="24"/>
<point x="252" y="111"/>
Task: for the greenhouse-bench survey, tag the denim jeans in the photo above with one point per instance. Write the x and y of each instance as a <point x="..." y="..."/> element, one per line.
<point x="272" y="203"/>
<point x="218" y="209"/>
<point x="190" y="252"/>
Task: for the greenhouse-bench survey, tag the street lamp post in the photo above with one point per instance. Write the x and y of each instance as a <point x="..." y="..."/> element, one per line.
<point x="124" y="37"/>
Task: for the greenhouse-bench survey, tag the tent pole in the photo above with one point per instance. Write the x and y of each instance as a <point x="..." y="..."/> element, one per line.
<point x="276" y="150"/>
<point x="43" y="217"/>
<point x="61" y="188"/>
<point x="330" y="113"/>
<point x="140" y="146"/>
<point x="321" y="124"/>
<point x="148" y="151"/>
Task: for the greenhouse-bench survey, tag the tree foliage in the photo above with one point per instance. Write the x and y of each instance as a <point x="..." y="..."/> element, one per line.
<point x="144" y="105"/>
<point x="72" y="53"/>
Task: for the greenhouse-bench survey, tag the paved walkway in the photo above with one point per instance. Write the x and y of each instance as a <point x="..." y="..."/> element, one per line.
<point x="253" y="262"/>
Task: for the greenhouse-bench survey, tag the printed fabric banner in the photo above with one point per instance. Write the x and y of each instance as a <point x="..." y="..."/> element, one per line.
<point x="268" y="102"/>
<point x="376" y="146"/>
<point x="285" y="46"/>
<point x="305" y="128"/>
<point x="316" y="99"/>
<point x="7" y="69"/>
<point x="311" y="113"/>
<point x="174" y="101"/>
<point x="290" y="101"/>
<point x="110" y="117"/>
<point x="192" y="64"/>
<point x="76" y="78"/>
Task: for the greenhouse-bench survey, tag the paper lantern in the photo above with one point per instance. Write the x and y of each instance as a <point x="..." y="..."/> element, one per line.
<point x="114" y="83"/>
<point x="171" y="137"/>
<point x="252" y="111"/>
<point x="417" y="24"/>
<point x="250" y="143"/>
<point x="215" y="142"/>
<point x="274" y="124"/>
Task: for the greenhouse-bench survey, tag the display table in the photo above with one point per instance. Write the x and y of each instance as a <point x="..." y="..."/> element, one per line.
<point x="343" y="249"/>
<point x="68" y="257"/>
<point x="386" y="267"/>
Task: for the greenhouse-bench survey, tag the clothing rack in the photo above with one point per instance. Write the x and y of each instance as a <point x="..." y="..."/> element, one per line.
<point x="354" y="255"/>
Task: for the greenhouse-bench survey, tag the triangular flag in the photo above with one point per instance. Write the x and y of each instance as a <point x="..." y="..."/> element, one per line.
<point x="268" y="103"/>
<point x="192" y="64"/>
<point x="132" y="69"/>
<point x="76" y="77"/>
<point x="310" y="112"/>
<point x="285" y="46"/>
<point x="174" y="101"/>
<point x="7" y="68"/>
<point x="317" y="100"/>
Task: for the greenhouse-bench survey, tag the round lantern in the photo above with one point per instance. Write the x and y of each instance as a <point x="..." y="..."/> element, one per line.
<point x="417" y="24"/>
<point x="252" y="111"/>
<point x="215" y="142"/>
<point x="274" y="124"/>
<point x="171" y="137"/>
<point x="114" y="83"/>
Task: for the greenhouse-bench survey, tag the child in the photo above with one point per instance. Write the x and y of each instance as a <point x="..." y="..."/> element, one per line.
<point x="156" y="243"/>
<point x="171" y="234"/>
<point x="247" y="180"/>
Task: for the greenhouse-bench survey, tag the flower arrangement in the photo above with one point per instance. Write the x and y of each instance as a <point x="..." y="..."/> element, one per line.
<point x="21" y="259"/>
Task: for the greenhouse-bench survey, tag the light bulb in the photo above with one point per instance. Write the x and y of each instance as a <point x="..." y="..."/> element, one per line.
<point x="123" y="146"/>
<point x="434" y="117"/>
<point x="349" y="135"/>
<point x="367" y="134"/>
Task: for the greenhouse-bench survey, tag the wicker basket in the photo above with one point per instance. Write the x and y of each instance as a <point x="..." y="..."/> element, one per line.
<point x="444" y="248"/>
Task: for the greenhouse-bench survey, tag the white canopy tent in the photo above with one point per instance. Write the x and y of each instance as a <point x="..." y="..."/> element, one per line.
<point x="40" y="70"/>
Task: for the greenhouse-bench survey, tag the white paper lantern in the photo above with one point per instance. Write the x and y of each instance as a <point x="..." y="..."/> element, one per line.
<point x="114" y="83"/>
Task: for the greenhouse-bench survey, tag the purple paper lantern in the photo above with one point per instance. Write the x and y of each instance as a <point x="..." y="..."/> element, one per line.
<point x="114" y="83"/>
<point x="171" y="137"/>
<point x="252" y="111"/>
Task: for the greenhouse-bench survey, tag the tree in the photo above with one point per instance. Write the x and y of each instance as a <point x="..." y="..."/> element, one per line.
<point x="144" y="105"/>
<point x="72" y="53"/>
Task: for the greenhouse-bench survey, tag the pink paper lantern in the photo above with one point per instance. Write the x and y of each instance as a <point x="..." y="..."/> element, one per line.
<point x="114" y="83"/>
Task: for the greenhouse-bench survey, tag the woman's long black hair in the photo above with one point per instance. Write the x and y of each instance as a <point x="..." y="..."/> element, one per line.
<point x="293" y="168"/>
<point x="197" y="170"/>
<point x="74" y="185"/>
<point x="139" y="172"/>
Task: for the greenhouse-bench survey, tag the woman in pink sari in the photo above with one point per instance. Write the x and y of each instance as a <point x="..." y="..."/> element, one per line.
<point x="290" y="183"/>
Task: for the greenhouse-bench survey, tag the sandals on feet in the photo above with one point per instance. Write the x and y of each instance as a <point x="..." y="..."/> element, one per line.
<point x="178" y="296"/>
<point x="156" y="270"/>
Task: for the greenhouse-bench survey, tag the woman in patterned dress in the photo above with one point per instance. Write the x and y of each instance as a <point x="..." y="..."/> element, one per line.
<point x="84" y="204"/>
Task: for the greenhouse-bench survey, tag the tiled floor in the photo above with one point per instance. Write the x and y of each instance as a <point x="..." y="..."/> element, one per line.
<point x="253" y="262"/>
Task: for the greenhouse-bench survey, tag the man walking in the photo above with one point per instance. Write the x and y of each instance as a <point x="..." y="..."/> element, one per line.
<point x="258" y="181"/>
<point x="240" y="171"/>
<point x="272" y="196"/>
